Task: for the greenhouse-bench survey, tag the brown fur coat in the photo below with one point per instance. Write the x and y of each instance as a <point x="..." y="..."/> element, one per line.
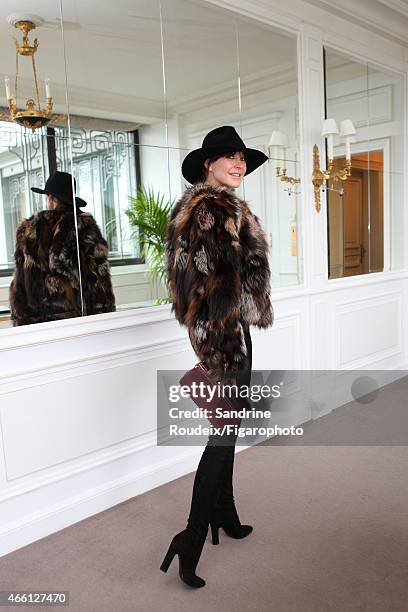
<point x="218" y="274"/>
<point x="45" y="283"/>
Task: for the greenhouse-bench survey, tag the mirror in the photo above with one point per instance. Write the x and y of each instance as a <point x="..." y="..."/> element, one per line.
<point x="246" y="77"/>
<point x="27" y="157"/>
<point x="363" y="234"/>
<point x="269" y="106"/>
<point x="118" y="134"/>
<point x="125" y="136"/>
<point x="194" y="67"/>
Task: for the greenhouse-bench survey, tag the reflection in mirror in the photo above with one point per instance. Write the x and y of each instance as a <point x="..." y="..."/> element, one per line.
<point x="201" y="70"/>
<point x="269" y="121"/>
<point x="105" y="164"/>
<point x="363" y="234"/>
<point x="39" y="248"/>
<point x="241" y="73"/>
<point x="357" y="230"/>
<point x="33" y="97"/>
<point x="193" y="67"/>
<point x="115" y="70"/>
<point x="23" y="163"/>
<point x="117" y="137"/>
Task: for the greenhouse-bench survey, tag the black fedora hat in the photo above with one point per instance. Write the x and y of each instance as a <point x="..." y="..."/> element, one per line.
<point x="59" y="185"/>
<point x="221" y="140"/>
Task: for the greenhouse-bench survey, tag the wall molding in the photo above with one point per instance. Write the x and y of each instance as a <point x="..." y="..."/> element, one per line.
<point x="30" y="527"/>
<point x="346" y="308"/>
<point x="82" y="366"/>
<point x="355" y="38"/>
<point x="384" y="91"/>
<point x="43" y="333"/>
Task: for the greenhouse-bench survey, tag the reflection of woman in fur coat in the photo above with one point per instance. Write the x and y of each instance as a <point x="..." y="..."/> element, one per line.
<point x="45" y="284"/>
<point x="219" y="278"/>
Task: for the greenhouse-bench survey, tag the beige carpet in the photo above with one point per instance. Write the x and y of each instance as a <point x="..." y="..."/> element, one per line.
<point x="330" y="534"/>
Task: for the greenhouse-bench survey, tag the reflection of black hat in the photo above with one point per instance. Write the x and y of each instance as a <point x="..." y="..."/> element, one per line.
<point x="59" y="185"/>
<point x="222" y="140"/>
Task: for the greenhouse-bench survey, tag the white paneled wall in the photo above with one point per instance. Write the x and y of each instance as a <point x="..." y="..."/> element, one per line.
<point x="78" y="413"/>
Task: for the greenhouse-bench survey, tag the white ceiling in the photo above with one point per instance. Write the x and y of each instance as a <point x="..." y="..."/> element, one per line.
<point x="114" y="50"/>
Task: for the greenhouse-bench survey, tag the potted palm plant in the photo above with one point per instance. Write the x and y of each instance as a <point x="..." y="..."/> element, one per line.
<point x="149" y="214"/>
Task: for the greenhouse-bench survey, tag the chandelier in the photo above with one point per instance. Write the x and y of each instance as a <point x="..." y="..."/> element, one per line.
<point x="33" y="117"/>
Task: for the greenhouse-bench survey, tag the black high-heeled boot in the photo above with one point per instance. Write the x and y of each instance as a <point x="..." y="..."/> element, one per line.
<point x="188" y="544"/>
<point x="188" y="548"/>
<point x="225" y="513"/>
<point x="233" y="528"/>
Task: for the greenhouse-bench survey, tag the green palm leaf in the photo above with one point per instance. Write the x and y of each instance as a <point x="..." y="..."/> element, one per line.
<point x="148" y="215"/>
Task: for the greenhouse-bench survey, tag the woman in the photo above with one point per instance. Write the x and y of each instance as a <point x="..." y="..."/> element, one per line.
<point x="219" y="278"/>
<point x="45" y="284"/>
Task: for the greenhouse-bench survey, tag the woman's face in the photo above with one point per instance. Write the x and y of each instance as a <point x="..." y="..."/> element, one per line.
<point x="50" y="202"/>
<point x="226" y="171"/>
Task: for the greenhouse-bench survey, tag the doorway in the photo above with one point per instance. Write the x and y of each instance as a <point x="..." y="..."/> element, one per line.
<point x="355" y="217"/>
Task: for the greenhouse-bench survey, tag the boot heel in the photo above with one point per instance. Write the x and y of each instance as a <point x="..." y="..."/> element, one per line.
<point x="168" y="559"/>
<point x="214" y="534"/>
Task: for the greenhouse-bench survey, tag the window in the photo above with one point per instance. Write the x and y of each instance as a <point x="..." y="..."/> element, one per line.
<point x="23" y="164"/>
<point x="104" y="165"/>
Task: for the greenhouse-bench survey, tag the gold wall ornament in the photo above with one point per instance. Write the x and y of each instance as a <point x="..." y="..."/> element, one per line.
<point x="33" y="116"/>
<point x="277" y="146"/>
<point x="281" y="175"/>
<point x="319" y="177"/>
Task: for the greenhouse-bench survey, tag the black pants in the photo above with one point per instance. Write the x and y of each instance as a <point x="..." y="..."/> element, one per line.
<point x="213" y="480"/>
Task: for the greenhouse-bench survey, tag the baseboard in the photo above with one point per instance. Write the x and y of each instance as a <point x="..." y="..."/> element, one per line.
<point x="25" y="530"/>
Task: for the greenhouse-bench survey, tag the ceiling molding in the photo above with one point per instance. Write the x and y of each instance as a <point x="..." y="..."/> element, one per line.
<point x="224" y="92"/>
<point x="396" y="5"/>
<point x="380" y="16"/>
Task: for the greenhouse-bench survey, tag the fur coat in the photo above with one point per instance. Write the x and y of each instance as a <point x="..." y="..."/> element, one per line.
<point x="218" y="274"/>
<point x="45" y="283"/>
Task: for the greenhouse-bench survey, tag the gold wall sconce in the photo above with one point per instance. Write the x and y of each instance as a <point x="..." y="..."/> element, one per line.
<point x="277" y="146"/>
<point x="33" y="116"/>
<point x="319" y="176"/>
